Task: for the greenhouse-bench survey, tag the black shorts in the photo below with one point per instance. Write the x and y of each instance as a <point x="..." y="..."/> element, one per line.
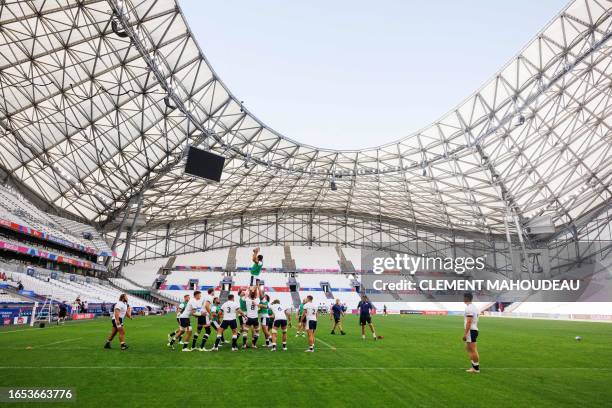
<point x="115" y="323"/>
<point x="242" y="319"/>
<point x="312" y="325"/>
<point x="266" y="321"/>
<point x="229" y="323"/>
<point x="472" y="336"/>
<point x="252" y="321"/>
<point x="280" y="323"/>
<point x="203" y="321"/>
<point x="363" y="320"/>
<point x="184" y="322"/>
<point x="336" y="319"/>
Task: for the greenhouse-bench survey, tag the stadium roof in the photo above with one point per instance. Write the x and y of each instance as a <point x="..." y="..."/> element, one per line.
<point x="101" y="98"/>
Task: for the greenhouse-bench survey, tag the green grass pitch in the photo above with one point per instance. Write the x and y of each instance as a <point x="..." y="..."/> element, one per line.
<point x="420" y="362"/>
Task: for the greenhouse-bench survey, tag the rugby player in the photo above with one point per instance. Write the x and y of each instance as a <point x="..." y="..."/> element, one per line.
<point x="203" y="321"/>
<point x="257" y="265"/>
<point x="229" y="310"/>
<point x="337" y="313"/>
<point x="470" y="332"/>
<point x="252" y="314"/>
<point x="120" y="310"/>
<point x="301" y="329"/>
<point x="242" y="318"/>
<point x="265" y="317"/>
<point x="282" y="316"/>
<point x="193" y="308"/>
<point x="310" y="322"/>
<point x="217" y="317"/>
<point x="365" y="318"/>
<point x="179" y="332"/>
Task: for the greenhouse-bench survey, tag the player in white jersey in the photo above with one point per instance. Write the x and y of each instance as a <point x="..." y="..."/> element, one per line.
<point x="282" y="318"/>
<point x="310" y="322"/>
<point x="470" y="332"/>
<point x="178" y="334"/>
<point x="120" y="310"/>
<point x="204" y="320"/>
<point x="193" y="308"/>
<point x="229" y="310"/>
<point x="252" y="314"/>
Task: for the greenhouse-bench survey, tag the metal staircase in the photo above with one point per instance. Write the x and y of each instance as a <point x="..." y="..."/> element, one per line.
<point x="225" y="285"/>
<point x="288" y="262"/>
<point x="292" y="283"/>
<point x="230" y="265"/>
<point x="328" y="292"/>
<point x="346" y="266"/>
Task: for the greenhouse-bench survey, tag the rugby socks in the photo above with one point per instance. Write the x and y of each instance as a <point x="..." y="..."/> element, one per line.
<point x="235" y="341"/>
<point x="267" y="341"/>
<point x="204" y="340"/>
<point x="172" y="334"/>
<point x="284" y="346"/>
<point x="476" y="365"/>
<point x="311" y="348"/>
<point x="244" y="339"/>
<point x="255" y="338"/>
<point x="217" y="341"/>
<point x="374" y="335"/>
<point x="194" y="341"/>
<point x="273" y="347"/>
<point x="185" y="345"/>
<point x="205" y="337"/>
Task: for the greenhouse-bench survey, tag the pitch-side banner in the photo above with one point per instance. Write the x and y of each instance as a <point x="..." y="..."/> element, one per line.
<point x="405" y="277"/>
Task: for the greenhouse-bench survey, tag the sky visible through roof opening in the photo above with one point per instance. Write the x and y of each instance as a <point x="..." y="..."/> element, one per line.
<point x="354" y="74"/>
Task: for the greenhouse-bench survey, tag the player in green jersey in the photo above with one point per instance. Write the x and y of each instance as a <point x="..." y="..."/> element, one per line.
<point x="265" y="318"/>
<point x="257" y="266"/>
<point x="242" y="317"/>
<point x="301" y="330"/>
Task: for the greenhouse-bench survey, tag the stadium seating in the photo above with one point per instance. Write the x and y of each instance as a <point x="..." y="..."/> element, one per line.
<point x="315" y="258"/>
<point x="125" y="284"/>
<point x="68" y="291"/>
<point x="213" y="259"/>
<point x="15" y="208"/>
<point x="563" y="308"/>
<point x="8" y="298"/>
<point x="144" y="273"/>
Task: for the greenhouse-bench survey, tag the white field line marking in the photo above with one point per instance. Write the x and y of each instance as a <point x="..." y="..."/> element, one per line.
<point x="302" y="368"/>
<point x="57" y="342"/>
<point x="52" y="326"/>
<point x="326" y="343"/>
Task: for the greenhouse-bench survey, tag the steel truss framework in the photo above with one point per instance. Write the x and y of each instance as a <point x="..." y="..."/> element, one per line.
<point x="101" y="97"/>
<point x="588" y="244"/>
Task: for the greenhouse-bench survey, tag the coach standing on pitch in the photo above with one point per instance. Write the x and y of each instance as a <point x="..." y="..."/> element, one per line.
<point x="365" y="308"/>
